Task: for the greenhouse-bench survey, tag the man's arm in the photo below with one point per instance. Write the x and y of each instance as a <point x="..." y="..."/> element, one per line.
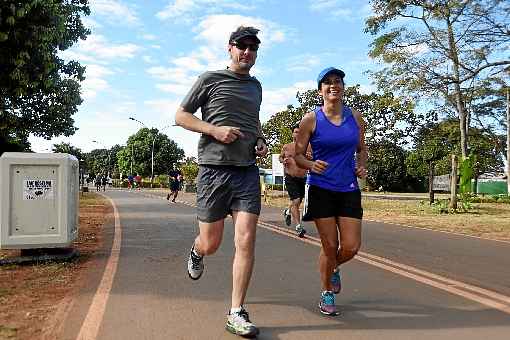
<point x="224" y="134"/>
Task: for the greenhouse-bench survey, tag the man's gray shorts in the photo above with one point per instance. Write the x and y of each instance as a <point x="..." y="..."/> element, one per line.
<point x="223" y="189"/>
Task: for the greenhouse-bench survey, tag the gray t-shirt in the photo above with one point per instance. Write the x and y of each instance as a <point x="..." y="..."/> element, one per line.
<point x="227" y="99"/>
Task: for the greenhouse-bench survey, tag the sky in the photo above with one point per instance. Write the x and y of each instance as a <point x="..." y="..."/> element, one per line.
<point x="142" y="57"/>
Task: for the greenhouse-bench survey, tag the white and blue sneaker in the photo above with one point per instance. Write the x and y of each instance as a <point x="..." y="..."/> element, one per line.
<point x="195" y="264"/>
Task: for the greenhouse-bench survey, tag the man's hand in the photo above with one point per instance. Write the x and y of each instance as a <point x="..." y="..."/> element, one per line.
<point x="361" y="172"/>
<point x="319" y="166"/>
<point x="227" y="134"/>
<point x="261" y="148"/>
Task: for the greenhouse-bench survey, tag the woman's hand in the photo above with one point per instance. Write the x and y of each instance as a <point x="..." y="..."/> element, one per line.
<point x="361" y="172"/>
<point x="318" y="166"/>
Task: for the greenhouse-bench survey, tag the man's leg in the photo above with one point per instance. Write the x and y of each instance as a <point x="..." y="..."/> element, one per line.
<point x="294" y="210"/>
<point x="206" y="243"/>
<point x="209" y="237"/>
<point x="245" y="232"/>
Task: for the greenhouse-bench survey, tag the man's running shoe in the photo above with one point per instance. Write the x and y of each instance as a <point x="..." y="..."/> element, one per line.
<point x="239" y="323"/>
<point x="195" y="265"/>
<point x="327" y="304"/>
<point x="336" y="281"/>
<point x="300" y="230"/>
<point x="287" y="216"/>
<point x="168" y="197"/>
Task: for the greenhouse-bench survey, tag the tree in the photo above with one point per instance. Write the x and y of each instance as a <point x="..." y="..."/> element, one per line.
<point x="69" y="149"/>
<point x="189" y="170"/>
<point x="386" y="162"/>
<point x="138" y="153"/>
<point x="39" y="92"/>
<point x="388" y="117"/>
<point x="440" y="47"/>
<point x="435" y="142"/>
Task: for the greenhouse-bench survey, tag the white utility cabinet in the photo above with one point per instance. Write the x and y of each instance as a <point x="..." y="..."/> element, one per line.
<point x="39" y="195"/>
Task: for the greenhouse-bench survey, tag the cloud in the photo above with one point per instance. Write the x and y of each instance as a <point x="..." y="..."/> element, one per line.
<point x="320" y="5"/>
<point x="114" y="12"/>
<point x="341" y="9"/>
<point x="96" y="47"/>
<point x="213" y="31"/>
<point x="149" y="37"/>
<point x="94" y="81"/>
<point x="181" y="9"/>
<point x="303" y="63"/>
<point x="148" y="59"/>
<point x="275" y="100"/>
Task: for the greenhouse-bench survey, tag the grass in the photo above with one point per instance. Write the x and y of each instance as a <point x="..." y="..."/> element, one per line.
<point x="490" y="220"/>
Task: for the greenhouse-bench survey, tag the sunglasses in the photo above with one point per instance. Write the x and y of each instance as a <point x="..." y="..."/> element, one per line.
<point x="244" y="46"/>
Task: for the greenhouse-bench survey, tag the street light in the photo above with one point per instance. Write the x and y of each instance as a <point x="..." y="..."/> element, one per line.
<point x="152" y="151"/>
<point x="108" y="158"/>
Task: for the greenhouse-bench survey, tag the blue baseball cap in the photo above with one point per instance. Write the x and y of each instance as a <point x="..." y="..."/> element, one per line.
<point x="326" y="72"/>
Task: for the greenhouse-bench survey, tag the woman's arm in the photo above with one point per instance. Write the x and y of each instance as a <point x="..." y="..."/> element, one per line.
<point x="361" y="150"/>
<point x="306" y="128"/>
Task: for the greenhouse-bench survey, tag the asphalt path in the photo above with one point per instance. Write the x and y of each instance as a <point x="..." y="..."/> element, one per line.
<point x="405" y="283"/>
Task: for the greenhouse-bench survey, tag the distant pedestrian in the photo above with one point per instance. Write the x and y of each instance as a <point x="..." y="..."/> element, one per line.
<point x="130" y="180"/>
<point x="97" y="182"/>
<point x="104" y="181"/>
<point x="174" y="183"/>
<point x="138" y="181"/>
<point x="333" y="200"/>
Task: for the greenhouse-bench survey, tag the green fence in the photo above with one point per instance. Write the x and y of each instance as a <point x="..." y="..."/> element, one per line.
<point x="492" y="186"/>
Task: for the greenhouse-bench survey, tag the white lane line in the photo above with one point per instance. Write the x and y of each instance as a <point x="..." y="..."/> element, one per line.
<point x="92" y="322"/>
<point x="477" y="294"/>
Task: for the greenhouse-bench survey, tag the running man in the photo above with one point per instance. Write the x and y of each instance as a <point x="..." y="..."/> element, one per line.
<point x="174" y="183"/>
<point x="295" y="181"/>
<point x="228" y="179"/>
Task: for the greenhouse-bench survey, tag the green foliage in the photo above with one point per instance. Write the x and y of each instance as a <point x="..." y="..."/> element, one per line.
<point x="189" y="170"/>
<point x="466" y="174"/>
<point x="386" y="164"/>
<point x="443" y="52"/>
<point x="435" y="142"/>
<point x="138" y="152"/>
<point x="69" y="149"/>
<point x="388" y="117"/>
<point x="39" y="92"/>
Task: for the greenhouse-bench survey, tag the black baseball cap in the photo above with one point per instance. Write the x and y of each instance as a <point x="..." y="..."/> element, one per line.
<point x="244" y="32"/>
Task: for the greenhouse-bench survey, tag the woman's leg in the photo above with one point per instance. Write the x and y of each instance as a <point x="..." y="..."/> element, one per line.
<point x="327" y="229"/>
<point x="350" y="238"/>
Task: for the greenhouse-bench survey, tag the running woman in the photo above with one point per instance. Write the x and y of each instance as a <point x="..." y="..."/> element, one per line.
<point x="333" y="199"/>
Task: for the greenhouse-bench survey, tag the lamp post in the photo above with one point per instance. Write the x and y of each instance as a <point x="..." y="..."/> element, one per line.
<point x="152" y="150"/>
<point x="107" y="159"/>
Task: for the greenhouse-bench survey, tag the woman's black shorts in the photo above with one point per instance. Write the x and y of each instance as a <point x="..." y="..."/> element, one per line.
<point x="322" y="203"/>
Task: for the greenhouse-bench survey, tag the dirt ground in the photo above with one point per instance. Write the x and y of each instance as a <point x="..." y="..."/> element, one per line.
<point x="31" y="294"/>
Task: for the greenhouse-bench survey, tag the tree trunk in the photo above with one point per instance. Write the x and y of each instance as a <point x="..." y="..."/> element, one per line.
<point x="508" y="140"/>
<point x="453" y="182"/>
<point x="459" y="100"/>
<point x="431" y="182"/>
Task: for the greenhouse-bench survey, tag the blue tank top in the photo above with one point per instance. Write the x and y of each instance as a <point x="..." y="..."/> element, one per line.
<point x="335" y="145"/>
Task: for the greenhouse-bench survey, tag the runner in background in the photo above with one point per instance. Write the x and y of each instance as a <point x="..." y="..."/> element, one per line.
<point x="295" y="180"/>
